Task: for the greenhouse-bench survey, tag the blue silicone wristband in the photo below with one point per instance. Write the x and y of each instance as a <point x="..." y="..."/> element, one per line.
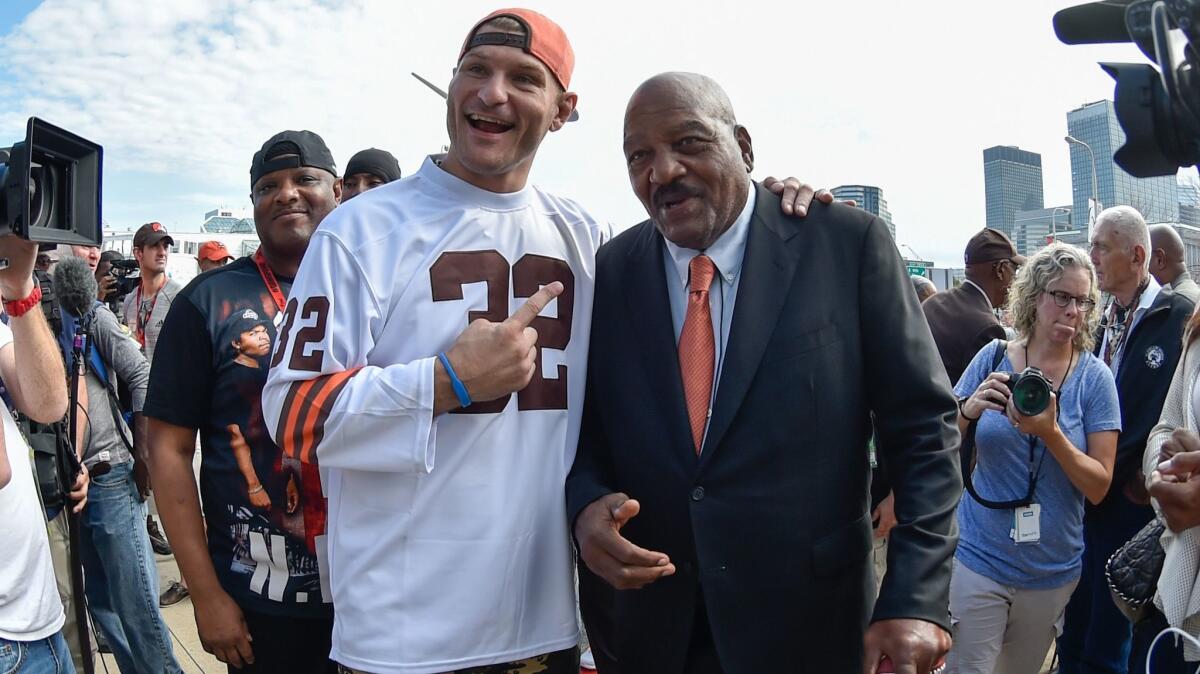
<point x="460" y="389"/>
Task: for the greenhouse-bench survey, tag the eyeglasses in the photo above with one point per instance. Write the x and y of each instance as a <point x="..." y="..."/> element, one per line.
<point x="1062" y="299"/>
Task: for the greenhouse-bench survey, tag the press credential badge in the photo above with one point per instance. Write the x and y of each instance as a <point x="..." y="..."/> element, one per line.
<point x="1027" y="524"/>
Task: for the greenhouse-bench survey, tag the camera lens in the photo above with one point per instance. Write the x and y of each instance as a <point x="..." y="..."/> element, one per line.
<point x="1030" y="393"/>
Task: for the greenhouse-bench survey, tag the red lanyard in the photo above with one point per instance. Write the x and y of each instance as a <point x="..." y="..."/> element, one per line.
<point x="142" y="321"/>
<point x="268" y="278"/>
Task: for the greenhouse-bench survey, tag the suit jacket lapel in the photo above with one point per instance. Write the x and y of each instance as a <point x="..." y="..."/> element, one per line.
<point x="767" y="270"/>
<point x="650" y="309"/>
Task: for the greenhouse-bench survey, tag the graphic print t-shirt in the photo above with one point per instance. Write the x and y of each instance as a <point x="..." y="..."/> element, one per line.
<point x="265" y="512"/>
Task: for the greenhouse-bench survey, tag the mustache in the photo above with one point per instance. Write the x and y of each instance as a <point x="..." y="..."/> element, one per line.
<point x="674" y="191"/>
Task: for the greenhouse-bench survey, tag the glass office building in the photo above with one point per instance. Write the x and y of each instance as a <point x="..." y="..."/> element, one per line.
<point x="1012" y="181"/>
<point x="1157" y="199"/>
<point x="870" y="199"/>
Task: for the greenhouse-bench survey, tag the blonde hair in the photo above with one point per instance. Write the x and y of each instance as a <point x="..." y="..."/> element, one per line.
<point x="1039" y="271"/>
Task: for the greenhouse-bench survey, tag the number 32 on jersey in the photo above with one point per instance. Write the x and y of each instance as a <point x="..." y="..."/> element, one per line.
<point x="447" y="276"/>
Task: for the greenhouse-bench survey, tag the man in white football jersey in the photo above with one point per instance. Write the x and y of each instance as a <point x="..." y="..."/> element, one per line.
<point x="432" y="360"/>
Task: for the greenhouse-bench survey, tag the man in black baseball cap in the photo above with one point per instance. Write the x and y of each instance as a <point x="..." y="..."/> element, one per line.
<point x="294" y="184"/>
<point x="367" y="169"/>
<point x="255" y="580"/>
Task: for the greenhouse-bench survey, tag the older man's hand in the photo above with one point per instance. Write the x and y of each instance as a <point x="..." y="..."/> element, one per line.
<point x="610" y="555"/>
<point x="914" y="646"/>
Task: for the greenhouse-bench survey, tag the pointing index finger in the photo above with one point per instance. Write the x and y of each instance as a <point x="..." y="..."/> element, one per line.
<point x="523" y="316"/>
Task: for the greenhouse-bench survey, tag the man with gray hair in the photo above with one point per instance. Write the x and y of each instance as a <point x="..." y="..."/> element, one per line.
<point x="1140" y="339"/>
<point x="1167" y="262"/>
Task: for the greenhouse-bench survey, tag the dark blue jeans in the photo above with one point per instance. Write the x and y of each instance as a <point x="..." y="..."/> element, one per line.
<point x="121" y="580"/>
<point x="1096" y="635"/>
<point x="45" y="656"/>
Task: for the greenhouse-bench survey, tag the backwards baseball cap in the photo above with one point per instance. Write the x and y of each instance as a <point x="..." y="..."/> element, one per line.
<point x="543" y="39"/>
<point x="990" y="245"/>
<point x="376" y="162"/>
<point x="291" y="149"/>
<point x="150" y="234"/>
<point x="214" y="251"/>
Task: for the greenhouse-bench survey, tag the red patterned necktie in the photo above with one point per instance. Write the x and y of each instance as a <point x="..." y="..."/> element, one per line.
<point x="697" y="349"/>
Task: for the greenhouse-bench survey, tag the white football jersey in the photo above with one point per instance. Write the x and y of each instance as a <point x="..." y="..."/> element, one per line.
<point x="448" y="545"/>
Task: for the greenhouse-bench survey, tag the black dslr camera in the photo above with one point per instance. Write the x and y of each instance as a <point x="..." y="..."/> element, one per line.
<point x="1159" y="108"/>
<point x="127" y="274"/>
<point x="1030" y="391"/>
<point x="50" y="187"/>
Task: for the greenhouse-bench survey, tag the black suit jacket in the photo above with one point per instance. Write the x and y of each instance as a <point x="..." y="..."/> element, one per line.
<point x="962" y="323"/>
<point x="772" y="520"/>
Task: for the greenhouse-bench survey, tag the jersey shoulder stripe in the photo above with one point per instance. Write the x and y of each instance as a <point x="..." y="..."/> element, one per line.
<point x="305" y="410"/>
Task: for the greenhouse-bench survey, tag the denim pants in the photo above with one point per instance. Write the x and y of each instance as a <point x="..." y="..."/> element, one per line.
<point x="1096" y="636"/>
<point x="44" y="656"/>
<point x="121" y="580"/>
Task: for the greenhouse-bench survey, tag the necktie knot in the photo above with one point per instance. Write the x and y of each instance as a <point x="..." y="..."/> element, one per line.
<point x="701" y="269"/>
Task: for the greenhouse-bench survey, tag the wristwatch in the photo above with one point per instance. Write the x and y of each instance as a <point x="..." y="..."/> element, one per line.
<point x="963" y="401"/>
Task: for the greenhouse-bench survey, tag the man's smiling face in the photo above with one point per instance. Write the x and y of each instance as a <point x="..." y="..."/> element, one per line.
<point x="501" y="103"/>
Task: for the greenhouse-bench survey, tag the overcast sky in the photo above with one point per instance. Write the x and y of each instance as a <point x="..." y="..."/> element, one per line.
<point x="903" y="95"/>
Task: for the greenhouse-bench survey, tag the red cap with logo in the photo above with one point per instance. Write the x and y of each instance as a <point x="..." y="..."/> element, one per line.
<point x="150" y="234"/>
<point x="214" y="251"/>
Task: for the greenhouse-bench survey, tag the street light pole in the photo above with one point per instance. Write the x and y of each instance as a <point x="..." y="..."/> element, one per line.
<point x="1095" y="192"/>
<point x="1053" y="222"/>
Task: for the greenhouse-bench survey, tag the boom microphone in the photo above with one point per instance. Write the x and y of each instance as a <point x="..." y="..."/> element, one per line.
<point x="75" y="286"/>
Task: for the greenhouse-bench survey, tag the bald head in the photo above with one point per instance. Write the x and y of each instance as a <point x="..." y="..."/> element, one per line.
<point x="696" y="92"/>
<point x="688" y="158"/>
<point x="1167" y="259"/>
<point x="923" y="287"/>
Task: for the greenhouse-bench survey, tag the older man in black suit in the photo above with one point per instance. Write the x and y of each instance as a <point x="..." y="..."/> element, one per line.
<point x="737" y="356"/>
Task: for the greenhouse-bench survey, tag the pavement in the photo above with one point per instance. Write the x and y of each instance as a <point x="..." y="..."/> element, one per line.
<point x="191" y="655"/>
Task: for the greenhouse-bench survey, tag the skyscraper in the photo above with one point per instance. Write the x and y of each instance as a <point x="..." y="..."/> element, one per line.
<point x="1096" y="124"/>
<point x="1012" y="181"/>
<point x="870" y="199"/>
<point x="1033" y="228"/>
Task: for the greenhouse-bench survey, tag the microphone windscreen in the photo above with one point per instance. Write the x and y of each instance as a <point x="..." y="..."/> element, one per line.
<point x="74" y="286"/>
<point x="1093" y="23"/>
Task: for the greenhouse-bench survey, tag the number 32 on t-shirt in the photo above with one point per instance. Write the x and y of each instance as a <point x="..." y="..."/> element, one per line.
<point x="447" y="277"/>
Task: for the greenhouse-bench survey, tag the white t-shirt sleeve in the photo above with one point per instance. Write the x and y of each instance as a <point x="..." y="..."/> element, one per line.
<point x="323" y="402"/>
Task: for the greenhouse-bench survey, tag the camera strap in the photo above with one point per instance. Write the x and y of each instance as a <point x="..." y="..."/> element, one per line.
<point x="968" y="451"/>
<point x="269" y="279"/>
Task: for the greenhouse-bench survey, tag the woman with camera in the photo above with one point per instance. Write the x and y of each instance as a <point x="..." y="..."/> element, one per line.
<point x="1043" y="414"/>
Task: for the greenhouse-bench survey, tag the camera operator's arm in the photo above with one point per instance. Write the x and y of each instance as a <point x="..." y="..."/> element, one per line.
<point x="38" y="388"/>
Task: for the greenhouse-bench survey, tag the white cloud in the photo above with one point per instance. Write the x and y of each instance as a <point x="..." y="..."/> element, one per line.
<point x="902" y="95"/>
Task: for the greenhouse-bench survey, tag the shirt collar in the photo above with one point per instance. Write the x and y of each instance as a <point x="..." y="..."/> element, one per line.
<point x="981" y="291"/>
<point x="1149" y="294"/>
<point x="726" y="253"/>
